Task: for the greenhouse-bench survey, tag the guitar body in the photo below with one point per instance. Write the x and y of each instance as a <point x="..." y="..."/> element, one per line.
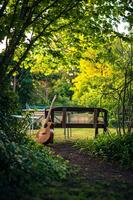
<point x="44" y="134"/>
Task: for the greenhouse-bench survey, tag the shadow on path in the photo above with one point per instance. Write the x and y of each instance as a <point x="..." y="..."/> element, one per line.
<point x="92" y="168"/>
<point x="92" y="178"/>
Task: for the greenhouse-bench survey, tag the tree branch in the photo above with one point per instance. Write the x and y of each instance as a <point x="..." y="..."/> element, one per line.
<point x="3" y="7"/>
<point x="67" y="8"/>
<point x="44" y="10"/>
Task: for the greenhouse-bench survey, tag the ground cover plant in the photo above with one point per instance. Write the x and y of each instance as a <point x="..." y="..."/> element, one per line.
<point x="26" y="166"/>
<point x="76" y="50"/>
<point x="32" y="171"/>
<point x="116" y="148"/>
<point x="90" y="178"/>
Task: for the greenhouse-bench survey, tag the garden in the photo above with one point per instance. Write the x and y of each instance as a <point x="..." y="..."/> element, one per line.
<point x="80" y="51"/>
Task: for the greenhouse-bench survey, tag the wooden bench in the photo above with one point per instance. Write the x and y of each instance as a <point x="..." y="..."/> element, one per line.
<point x="79" y="117"/>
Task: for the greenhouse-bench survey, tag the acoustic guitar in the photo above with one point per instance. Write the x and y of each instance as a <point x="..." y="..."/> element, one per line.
<point x="44" y="134"/>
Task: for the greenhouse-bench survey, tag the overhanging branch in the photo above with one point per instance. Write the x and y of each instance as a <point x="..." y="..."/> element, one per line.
<point x="67" y="8"/>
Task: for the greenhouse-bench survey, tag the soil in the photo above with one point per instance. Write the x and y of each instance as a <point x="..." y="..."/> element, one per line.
<point x="92" y="169"/>
<point x="90" y="178"/>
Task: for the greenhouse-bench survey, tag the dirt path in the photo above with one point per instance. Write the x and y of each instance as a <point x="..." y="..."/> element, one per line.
<point x="92" y="169"/>
<point x="94" y="180"/>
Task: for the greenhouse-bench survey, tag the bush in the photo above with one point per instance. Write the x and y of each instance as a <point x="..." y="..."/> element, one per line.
<point x="25" y="163"/>
<point x="110" y="147"/>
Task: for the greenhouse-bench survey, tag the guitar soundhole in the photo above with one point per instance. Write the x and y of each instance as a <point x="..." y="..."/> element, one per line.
<point x="45" y="125"/>
<point x="43" y="133"/>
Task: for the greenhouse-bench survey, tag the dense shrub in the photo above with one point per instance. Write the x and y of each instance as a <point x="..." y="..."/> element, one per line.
<point x="110" y="147"/>
<point x="20" y="162"/>
<point x="24" y="163"/>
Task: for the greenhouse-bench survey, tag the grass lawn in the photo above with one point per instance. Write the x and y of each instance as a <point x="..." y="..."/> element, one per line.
<point x="76" y="187"/>
<point x="76" y="133"/>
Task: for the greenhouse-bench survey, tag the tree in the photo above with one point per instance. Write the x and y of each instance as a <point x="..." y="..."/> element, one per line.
<point x="122" y="84"/>
<point x="105" y="80"/>
<point x="23" y="23"/>
<point x="24" y="88"/>
<point x="94" y="72"/>
<point x="26" y="24"/>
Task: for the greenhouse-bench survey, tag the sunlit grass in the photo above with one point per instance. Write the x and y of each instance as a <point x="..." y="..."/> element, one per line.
<point x="74" y="134"/>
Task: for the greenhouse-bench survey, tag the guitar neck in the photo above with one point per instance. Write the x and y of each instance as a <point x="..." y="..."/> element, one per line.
<point x="49" y="112"/>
